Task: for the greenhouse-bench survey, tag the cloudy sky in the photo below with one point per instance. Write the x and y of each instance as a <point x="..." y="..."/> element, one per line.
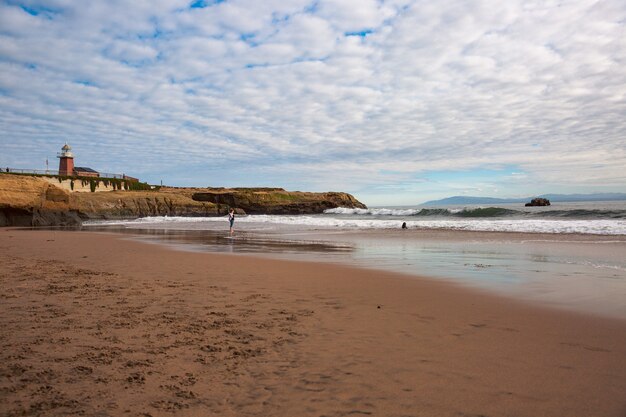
<point x="395" y="101"/>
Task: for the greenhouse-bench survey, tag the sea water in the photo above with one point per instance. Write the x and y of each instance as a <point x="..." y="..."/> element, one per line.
<point x="601" y="218"/>
<point x="570" y="255"/>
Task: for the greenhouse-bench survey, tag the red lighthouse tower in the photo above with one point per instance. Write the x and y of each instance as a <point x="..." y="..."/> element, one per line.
<point x="66" y="162"/>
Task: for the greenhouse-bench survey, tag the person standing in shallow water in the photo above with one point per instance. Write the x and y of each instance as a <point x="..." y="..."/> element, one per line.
<point x="231" y="219"/>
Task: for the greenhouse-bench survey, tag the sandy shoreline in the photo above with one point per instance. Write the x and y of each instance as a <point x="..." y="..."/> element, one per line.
<point x="584" y="273"/>
<point x="97" y="325"/>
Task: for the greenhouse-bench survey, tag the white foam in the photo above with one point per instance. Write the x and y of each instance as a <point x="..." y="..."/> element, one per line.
<point x="151" y="220"/>
<point x="373" y="211"/>
<point x="599" y="227"/>
<point x="604" y="266"/>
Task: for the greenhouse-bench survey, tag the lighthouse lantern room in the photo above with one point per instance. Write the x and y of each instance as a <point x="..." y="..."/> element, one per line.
<point x="66" y="160"/>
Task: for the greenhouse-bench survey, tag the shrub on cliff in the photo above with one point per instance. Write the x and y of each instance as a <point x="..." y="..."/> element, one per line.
<point x="137" y="186"/>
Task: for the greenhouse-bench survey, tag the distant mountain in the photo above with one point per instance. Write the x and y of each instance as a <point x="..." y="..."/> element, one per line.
<point x="460" y="200"/>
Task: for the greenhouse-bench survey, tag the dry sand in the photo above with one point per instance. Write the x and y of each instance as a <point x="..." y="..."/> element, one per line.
<point x="91" y="324"/>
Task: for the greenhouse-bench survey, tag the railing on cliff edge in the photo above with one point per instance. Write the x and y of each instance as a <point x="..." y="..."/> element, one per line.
<point x="101" y="175"/>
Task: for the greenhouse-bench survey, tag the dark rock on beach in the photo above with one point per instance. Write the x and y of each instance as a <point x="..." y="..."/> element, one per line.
<point x="33" y="217"/>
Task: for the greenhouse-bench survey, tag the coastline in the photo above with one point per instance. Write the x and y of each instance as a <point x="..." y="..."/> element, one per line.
<point x="99" y="324"/>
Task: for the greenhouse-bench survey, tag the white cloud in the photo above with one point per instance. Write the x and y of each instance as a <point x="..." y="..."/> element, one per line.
<point x="354" y="15"/>
<point x="278" y="88"/>
<point x="131" y="52"/>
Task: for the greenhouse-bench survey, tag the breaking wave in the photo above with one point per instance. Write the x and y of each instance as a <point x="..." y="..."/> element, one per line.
<point x="482" y="212"/>
<point x="474" y="212"/>
<point x="328" y="222"/>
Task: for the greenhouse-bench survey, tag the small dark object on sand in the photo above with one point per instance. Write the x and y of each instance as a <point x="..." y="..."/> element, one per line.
<point x="404" y="225"/>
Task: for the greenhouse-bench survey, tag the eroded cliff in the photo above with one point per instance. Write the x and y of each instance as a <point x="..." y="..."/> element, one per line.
<point x="277" y="200"/>
<point x="32" y="201"/>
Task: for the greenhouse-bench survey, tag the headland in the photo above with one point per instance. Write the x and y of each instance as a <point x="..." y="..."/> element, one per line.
<point x="56" y="201"/>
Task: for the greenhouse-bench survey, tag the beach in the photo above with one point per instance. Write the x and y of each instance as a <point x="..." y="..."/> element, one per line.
<point x="99" y="324"/>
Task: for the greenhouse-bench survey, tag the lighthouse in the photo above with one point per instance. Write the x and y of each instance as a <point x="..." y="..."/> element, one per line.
<point x="66" y="160"/>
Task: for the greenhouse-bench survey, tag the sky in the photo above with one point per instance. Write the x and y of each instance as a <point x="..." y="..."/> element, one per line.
<point x="396" y="102"/>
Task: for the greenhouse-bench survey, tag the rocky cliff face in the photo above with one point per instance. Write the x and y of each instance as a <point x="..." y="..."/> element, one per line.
<point x="28" y="201"/>
<point x="133" y="204"/>
<point x="32" y="201"/>
<point x="277" y="201"/>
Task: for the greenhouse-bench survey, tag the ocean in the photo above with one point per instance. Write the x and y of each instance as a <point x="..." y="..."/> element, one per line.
<point x="568" y="255"/>
<point x="601" y="218"/>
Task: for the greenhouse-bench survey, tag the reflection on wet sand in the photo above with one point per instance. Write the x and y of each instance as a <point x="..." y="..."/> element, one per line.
<point x="586" y="273"/>
<point x="216" y="241"/>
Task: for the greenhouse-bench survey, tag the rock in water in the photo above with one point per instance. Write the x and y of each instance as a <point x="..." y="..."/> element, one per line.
<point x="538" y="202"/>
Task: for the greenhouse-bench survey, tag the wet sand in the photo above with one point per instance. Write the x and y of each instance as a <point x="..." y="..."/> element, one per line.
<point x="584" y="273"/>
<point x="95" y="324"/>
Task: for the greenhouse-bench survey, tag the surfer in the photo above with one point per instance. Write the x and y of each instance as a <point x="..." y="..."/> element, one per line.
<point x="231" y="219"/>
<point x="404" y="225"/>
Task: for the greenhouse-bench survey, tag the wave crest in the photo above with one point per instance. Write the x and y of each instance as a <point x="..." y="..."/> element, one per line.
<point x="373" y="212"/>
<point x="465" y="212"/>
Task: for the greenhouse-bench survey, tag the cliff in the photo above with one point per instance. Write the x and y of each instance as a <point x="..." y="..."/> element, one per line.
<point x="133" y="204"/>
<point x="33" y="201"/>
<point x="29" y="201"/>
<point x="277" y="200"/>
